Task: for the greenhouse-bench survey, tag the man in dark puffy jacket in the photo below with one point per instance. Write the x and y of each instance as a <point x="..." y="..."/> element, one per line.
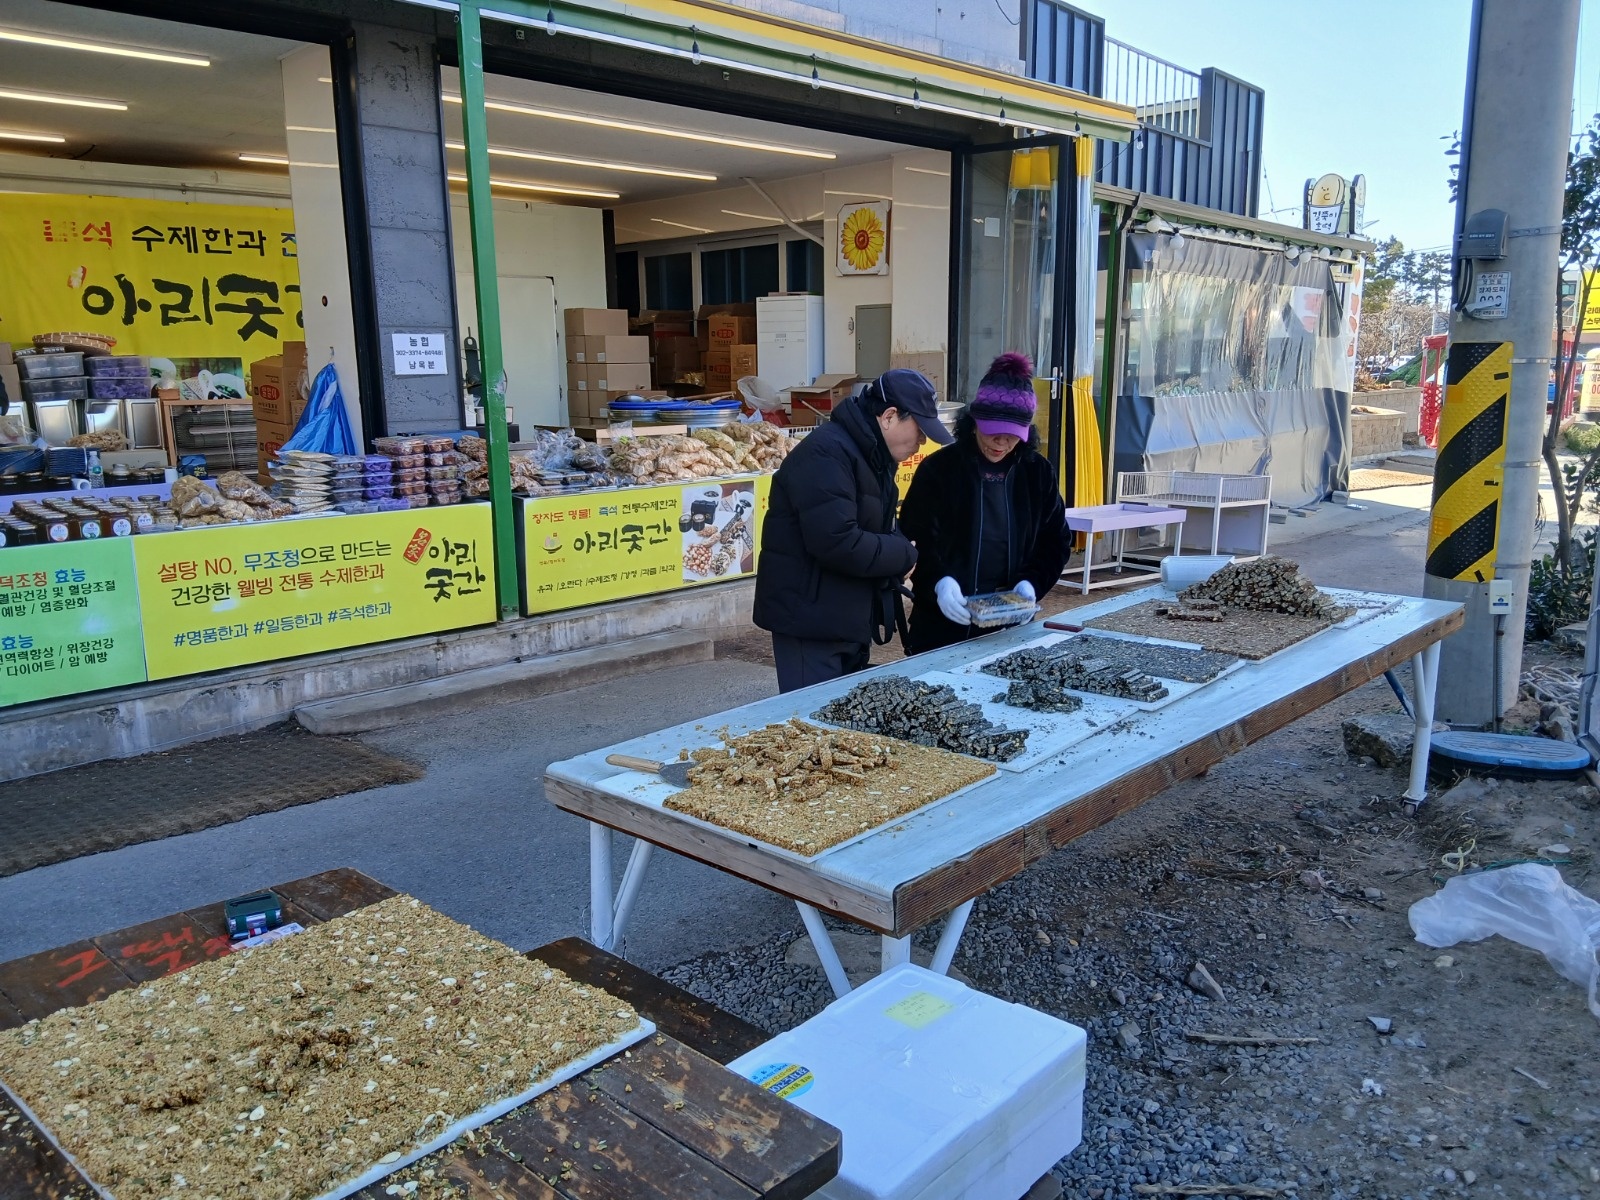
<point x="831" y="558"/>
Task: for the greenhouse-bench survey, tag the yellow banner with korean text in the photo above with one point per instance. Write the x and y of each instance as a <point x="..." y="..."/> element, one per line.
<point x="908" y="468"/>
<point x="613" y="545"/>
<point x="165" y="278"/>
<point x="227" y="595"/>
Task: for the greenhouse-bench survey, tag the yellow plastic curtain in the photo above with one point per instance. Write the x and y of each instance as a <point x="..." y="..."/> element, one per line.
<point x="1089" y="464"/>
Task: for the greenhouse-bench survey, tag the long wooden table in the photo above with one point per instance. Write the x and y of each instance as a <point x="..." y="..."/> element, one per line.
<point x="665" y="1122"/>
<point x="907" y="874"/>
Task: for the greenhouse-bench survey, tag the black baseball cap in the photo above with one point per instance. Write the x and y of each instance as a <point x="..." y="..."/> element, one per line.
<point x="912" y="393"/>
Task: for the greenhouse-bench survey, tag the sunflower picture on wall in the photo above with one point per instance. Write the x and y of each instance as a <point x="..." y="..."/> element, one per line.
<point x="864" y="239"/>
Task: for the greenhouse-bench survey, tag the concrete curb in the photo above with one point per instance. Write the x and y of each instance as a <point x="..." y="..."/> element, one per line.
<point x="403" y="705"/>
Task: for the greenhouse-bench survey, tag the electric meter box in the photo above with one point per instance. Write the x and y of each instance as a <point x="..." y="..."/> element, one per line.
<point x="939" y="1091"/>
<point x="1484" y="235"/>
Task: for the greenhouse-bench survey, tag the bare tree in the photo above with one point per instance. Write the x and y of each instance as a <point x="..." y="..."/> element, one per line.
<point x="1580" y="246"/>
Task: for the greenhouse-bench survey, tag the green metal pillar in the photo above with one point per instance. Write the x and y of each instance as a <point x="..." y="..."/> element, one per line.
<point x="486" y="284"/>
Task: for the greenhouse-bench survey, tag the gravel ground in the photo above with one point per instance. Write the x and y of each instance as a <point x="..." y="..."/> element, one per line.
<point x="1288" y="872"/>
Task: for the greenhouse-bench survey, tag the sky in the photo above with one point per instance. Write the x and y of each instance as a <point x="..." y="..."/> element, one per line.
<point x="1354" y="87"/>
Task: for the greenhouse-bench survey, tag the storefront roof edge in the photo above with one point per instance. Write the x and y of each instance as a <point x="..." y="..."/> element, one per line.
<point x="1193" y="214"/>
<point x="718" y="34"/>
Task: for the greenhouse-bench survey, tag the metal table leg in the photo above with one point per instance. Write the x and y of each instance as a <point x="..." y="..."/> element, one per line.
<point x="944" y="954"/>
<point x="1424" y="680"/>
<point x="600" y="912"/>
<point x="827" y="954"/>
<point x="607" y="919"/>
<point x="895" y="951"/>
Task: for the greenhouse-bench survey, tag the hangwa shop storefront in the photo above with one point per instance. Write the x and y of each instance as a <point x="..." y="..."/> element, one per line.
<point x="506" y="185"/>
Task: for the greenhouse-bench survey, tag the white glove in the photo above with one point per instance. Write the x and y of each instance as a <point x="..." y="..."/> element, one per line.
<point x="1025" y="590"/>
<point x="951" y="602"/>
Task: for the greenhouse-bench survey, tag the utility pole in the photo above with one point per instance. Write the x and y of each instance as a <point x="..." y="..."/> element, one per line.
<point x="1516" y="132"/>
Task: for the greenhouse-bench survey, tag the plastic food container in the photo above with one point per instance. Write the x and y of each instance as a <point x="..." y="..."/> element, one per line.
<point x="994" y="610"/>
<point x="390" y="504"/>
<point x="119" y="387"/>
<point x="421" y="501"/>
<point x="446" y="459"/>
<point x="1181" y="571"/>
<point x="411" y="475"/>
<point x="378" y="462"/>
<point x="49" y="366"/>
<point x="444" y="473"/>
<point x="119" y="366"/>
<point x="400" y="445"/>
<point x="438" y="445"/>
<point x="408" y="462"/>
<point x="56" y="387"/>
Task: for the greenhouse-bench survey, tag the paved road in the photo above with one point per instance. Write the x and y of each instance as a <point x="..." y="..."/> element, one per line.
<point x="475" y="838"/>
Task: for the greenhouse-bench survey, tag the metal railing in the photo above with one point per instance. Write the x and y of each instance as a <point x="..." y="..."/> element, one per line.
<point x="1163" y="94"/>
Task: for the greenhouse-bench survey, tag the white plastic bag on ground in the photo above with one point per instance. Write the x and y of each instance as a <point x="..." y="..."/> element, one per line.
<point x="1530" y="904"/>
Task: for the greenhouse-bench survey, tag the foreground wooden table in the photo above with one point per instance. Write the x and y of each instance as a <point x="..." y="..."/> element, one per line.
<point x="935" y="861"/>
<point x="668" y="1122"/>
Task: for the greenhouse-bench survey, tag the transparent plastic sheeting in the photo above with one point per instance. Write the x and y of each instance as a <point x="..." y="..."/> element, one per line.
<point x="1234" y="365"/>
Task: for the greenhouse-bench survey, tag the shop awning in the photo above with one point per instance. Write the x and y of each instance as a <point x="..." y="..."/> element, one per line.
<point x="737" y="39"/>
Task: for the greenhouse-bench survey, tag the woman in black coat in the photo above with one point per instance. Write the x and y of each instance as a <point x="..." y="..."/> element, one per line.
<point x="986" y="512"/>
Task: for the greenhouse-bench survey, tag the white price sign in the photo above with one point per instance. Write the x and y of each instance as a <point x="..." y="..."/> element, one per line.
<point x="421" y="354"/>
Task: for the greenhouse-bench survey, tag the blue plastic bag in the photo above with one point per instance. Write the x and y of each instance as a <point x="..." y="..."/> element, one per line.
<point x="323" y="426"/>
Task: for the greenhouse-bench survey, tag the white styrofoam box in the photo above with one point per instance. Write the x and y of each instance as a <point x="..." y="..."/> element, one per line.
<point x="940" y="1091"/>
<point x="1179" y="572"/>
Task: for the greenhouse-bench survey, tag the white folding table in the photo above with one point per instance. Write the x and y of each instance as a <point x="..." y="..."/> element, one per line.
<point x="932" y="863"/>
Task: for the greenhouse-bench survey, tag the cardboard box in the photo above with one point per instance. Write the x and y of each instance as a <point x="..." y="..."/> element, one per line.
<point x="612" y="349"/>
<point x="664" y="322"/>
<point x="827" y="391"/>
<point x="929" y="362"/>
<point x="12" y="378"/>
<point x="6" y="357"/>
<point x="726" y="330"/>
<point x="270" y="436"/>
<point x="744" y="361"/>
<point x="608" y="377"/>
<point x="277" y="383"/>
<point x="596" y="322"/>
<point x="702" y="324"/>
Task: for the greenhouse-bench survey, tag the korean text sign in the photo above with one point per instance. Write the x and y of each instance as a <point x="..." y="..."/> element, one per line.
<point x="235" y="594"/>
<point x="164" y="278"/>
<point x="594" y="547"/>
<point x="69" y="620"/>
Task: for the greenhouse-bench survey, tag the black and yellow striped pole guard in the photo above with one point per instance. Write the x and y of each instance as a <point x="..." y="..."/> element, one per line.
<point x="1469" y="473"/>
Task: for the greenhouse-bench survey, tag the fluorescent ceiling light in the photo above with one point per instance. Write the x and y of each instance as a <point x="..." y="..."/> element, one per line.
<point x="597" y="164"/>
<point x="681" y="225"/>
<point x="551" y="188"/>
<point x="283" y="160"/>
<point x="69" y="101"/>
<point x="308" y="129"/>
<point x="41" y="39"/>
<point x="687" y="135"/>
<point x="752" y="216"/>
<point x="929" y="171"/>
<point x="13" y="136"/>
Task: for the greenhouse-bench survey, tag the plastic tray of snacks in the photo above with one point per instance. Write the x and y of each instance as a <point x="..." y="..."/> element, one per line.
<point x="995" y="610"/>
<point x="118" y="387"/>
<point x="119" y="366"/>
<point x="438" y="445"/>
<point x="35" y="364"/>
<point x="394" y="446"/>
<point x="448" y="458"/>
<point x="56" y="387"/>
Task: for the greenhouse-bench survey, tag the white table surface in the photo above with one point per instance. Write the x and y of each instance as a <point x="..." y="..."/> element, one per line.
<point x="875" y="878"/>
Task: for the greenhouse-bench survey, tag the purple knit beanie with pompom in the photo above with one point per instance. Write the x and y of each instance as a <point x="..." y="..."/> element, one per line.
<point x="1005" y="401"/>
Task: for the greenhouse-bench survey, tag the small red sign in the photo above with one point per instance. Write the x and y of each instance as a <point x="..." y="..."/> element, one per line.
<point x="418" y="546"/>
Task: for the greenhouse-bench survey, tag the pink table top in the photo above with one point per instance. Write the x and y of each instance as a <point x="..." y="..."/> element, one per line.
<point x="1095" y="518"/>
